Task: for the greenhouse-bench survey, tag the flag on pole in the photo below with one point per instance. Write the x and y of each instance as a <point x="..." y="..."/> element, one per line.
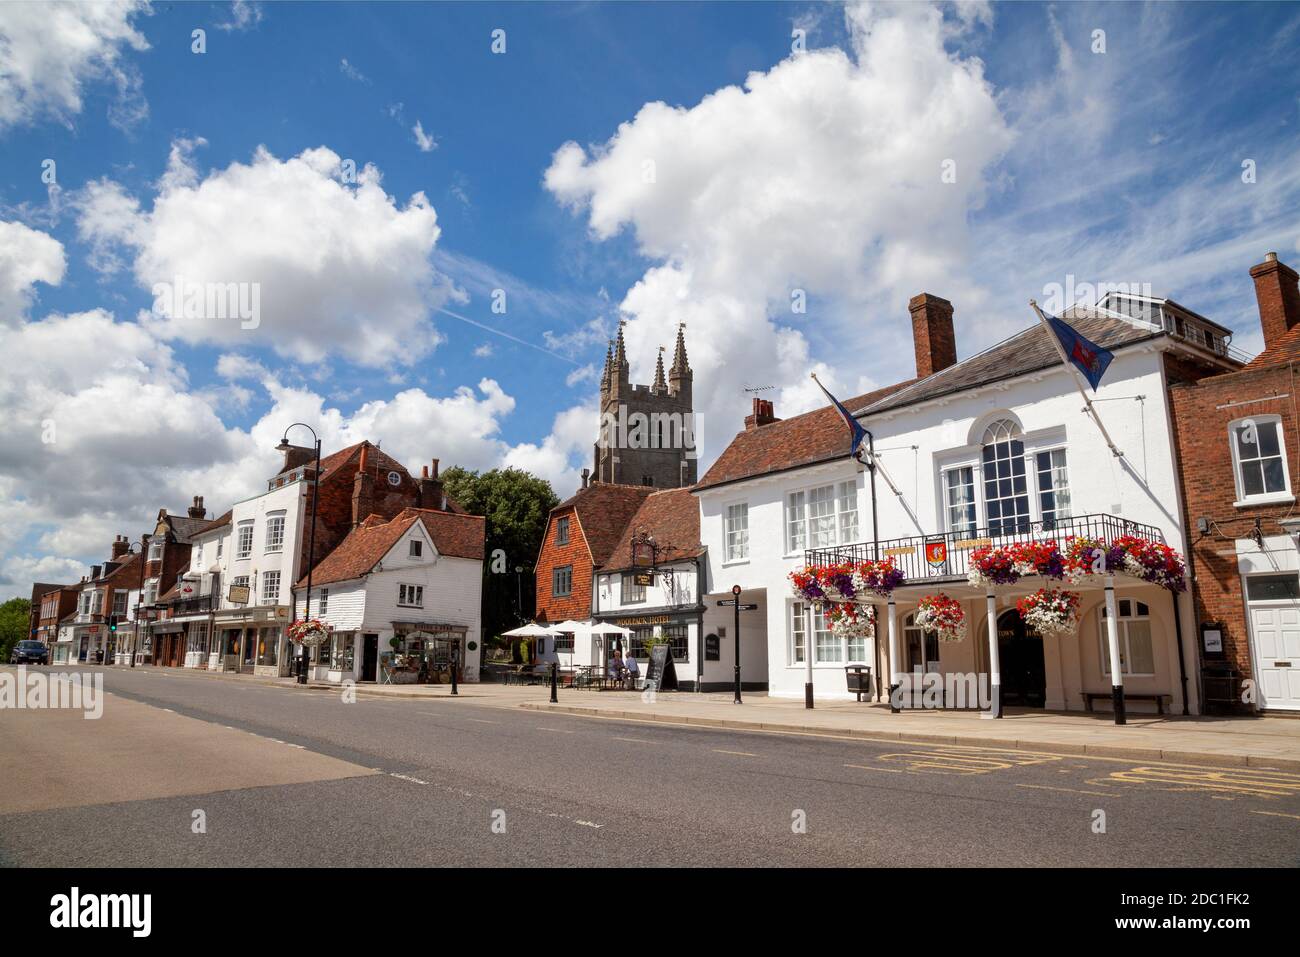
<point x="1090" y="358"/>
<point x="856" y="431"/>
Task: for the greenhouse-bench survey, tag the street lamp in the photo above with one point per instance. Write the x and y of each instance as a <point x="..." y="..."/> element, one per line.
<point x="311" y="541"/>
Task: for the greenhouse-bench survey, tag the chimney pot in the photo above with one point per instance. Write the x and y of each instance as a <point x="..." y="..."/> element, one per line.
<point x="763" y="414"/>
<point x="932" y="334"/>
<point x="433" y="470"/>
<point x="1277" y="291"/>
<point x="424" y="471"/>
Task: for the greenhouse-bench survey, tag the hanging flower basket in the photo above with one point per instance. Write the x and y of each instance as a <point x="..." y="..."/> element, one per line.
<point x="1052" y="612"/>
<point x="1131" y="555"/>
<point x="849" y="620"/>
<point x="1007" y="564"/>
<point x="846" y="581"/>
<point x="311" y="632"/>
<point x="880" y="577"/>
<point x="942" y="615"/>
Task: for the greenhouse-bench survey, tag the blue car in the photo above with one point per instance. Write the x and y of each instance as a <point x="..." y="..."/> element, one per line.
<point x="29" y="653"/>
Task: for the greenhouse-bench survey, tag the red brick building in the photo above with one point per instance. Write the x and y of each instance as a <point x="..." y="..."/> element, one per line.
<point x="581" y="535"/>
<point x="1238" y="441"/>
<point x="50" y="605"/>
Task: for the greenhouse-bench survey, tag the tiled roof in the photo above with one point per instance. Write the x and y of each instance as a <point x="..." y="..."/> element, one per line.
<point x="215" y="524"/>
<point x="806" y="439"/>
<point x="184" y="527"/>
<point x="127" y="562"/>
<point x="1284" y="350"/>
<point x="377" y="459"/>
<point x="603" y="510"/>
<point x="1025" y="352"/>
<point x="672" y="517"/>
<point x="456" y="536"/>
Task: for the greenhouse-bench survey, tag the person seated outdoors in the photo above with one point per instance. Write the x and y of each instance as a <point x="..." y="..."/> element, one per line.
<point x="616" y="666"/>
<point x="633" y="670"/>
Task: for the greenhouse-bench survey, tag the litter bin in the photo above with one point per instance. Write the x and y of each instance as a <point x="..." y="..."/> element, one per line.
<point x="859" y="679"/>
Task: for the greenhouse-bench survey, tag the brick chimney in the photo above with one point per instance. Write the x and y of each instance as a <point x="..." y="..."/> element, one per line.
<point x="936" y="345"/>
<point x="762" y="415"/>
<point x="120" y="545"/>
<point x="196" y="510"/>
<point x="1278" y="294"/>
<point x="363" y="488"/>
<point x="432" y="494"/>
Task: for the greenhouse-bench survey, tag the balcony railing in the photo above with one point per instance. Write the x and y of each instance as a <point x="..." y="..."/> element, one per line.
<point x="949" y="558"/>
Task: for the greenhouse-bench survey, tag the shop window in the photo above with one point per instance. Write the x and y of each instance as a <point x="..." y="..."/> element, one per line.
<point x="1136" y="656"/>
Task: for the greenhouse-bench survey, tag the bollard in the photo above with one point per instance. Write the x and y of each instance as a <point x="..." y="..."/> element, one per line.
<point x="454" y="668"/>
<point x="555" y="684"/>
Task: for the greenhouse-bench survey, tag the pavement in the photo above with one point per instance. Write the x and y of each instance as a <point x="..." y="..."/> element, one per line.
<point x="301" y="776"/>
<point x="1263" y="742"/>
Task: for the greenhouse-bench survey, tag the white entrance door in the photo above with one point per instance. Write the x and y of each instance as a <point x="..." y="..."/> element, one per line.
<point x="1275" y="635"/>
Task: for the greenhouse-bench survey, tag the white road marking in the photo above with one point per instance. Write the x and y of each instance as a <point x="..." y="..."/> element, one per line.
<point x="743" y="754"/>
<point x="406" y="777"/>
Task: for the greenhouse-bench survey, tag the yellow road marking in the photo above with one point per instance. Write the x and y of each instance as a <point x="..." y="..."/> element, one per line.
<point x="1277" y="814"/>
<point x="1047" y="787"/>
<point x="743" y="754"/>
<point x="1227" y="780"/>
<point x="957" y="759"/>
<point x="865" y="767"/>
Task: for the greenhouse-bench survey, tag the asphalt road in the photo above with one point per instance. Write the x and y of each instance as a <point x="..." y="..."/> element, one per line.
<point x="387" y="781"/>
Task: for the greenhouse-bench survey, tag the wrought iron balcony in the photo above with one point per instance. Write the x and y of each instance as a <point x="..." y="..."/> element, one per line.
<point x="945" y="556"/>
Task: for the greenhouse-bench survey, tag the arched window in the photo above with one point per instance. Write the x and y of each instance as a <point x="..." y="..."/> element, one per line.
<point x="1006" y="489"/>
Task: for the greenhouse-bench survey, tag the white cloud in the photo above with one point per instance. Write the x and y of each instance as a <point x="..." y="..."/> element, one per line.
<point x="423" y="140"/>
<point x="340" y="267"/>
<point x="822" y="174"/>
<point x="351" y="72"/>
<point x="244" y="15"/>
<point x="235" y="367"/>
<point x="27" y="256"/>
<point x="50" y="51"/>
<point x="483" y="351"/>
<point x="572" y="436"/>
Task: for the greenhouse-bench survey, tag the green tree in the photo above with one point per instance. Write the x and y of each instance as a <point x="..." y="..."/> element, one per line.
<point x="516" y="505"/>
<point x="15" y="624"/>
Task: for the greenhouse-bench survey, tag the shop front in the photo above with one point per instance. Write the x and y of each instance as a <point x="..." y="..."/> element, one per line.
<point x="251" y="642"/>
<point x="426" y="653"/>
<point x="677" y="628"/>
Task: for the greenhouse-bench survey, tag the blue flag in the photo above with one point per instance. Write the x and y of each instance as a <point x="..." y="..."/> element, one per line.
<point x="856" y="431"/>
<point x="1090" y="358"/>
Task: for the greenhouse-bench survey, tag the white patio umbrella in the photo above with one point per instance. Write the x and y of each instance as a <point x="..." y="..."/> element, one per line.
<point x="575" y="628"/>
<point x="530" y="630"/>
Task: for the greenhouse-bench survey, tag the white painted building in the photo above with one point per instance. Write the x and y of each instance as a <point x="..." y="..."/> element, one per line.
<point x="996" y="445"/>
<point x="404" y="598"/>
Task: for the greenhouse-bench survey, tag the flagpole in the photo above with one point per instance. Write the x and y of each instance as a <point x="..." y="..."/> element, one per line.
<point x="1078" y="384"/>
<point x="877" y="464"/>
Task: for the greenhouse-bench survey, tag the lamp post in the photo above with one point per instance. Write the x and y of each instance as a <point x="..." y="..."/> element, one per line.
<point x="734" y="601"/>
<point x="311" y="540"/>
<point x="139" y="598"/>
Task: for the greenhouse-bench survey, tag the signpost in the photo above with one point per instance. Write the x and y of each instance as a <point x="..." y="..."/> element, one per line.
<point x="734" y="601"/>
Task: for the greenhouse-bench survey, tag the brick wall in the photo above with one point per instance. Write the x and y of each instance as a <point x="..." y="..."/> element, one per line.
<point x="1209" y="488"/>
<point x="554" y="555"/>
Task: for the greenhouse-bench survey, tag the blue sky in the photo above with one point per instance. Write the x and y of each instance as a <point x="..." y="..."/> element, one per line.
<point x="822" y="174"/>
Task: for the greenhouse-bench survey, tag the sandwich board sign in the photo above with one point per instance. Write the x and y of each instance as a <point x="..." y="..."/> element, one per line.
<point x="660" y="674"/>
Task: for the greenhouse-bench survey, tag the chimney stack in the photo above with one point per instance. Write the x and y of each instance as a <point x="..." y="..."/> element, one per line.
<point x="196" y="510"/>
<point x="432" y="494"/>
<point x="586" y="477"/>
<point x="120" y="545"/>
<point x="763" y="414"/>
<point x="433" y="471"/>
<point x="936" y="344"/>
<point x="1278" y="294"/>
<point x="297" y="455"/>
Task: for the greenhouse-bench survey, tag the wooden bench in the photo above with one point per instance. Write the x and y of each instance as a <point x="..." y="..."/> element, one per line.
<point x="1159" y="699"/>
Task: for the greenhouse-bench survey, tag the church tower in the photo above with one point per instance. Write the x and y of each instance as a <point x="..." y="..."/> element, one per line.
<point x="647" y="432"/>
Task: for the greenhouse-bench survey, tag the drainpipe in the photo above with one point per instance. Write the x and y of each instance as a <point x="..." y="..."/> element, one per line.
<point x="699" y="627"/>
<point x="1182" y="663"/>
<point x="875" y="542"/>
